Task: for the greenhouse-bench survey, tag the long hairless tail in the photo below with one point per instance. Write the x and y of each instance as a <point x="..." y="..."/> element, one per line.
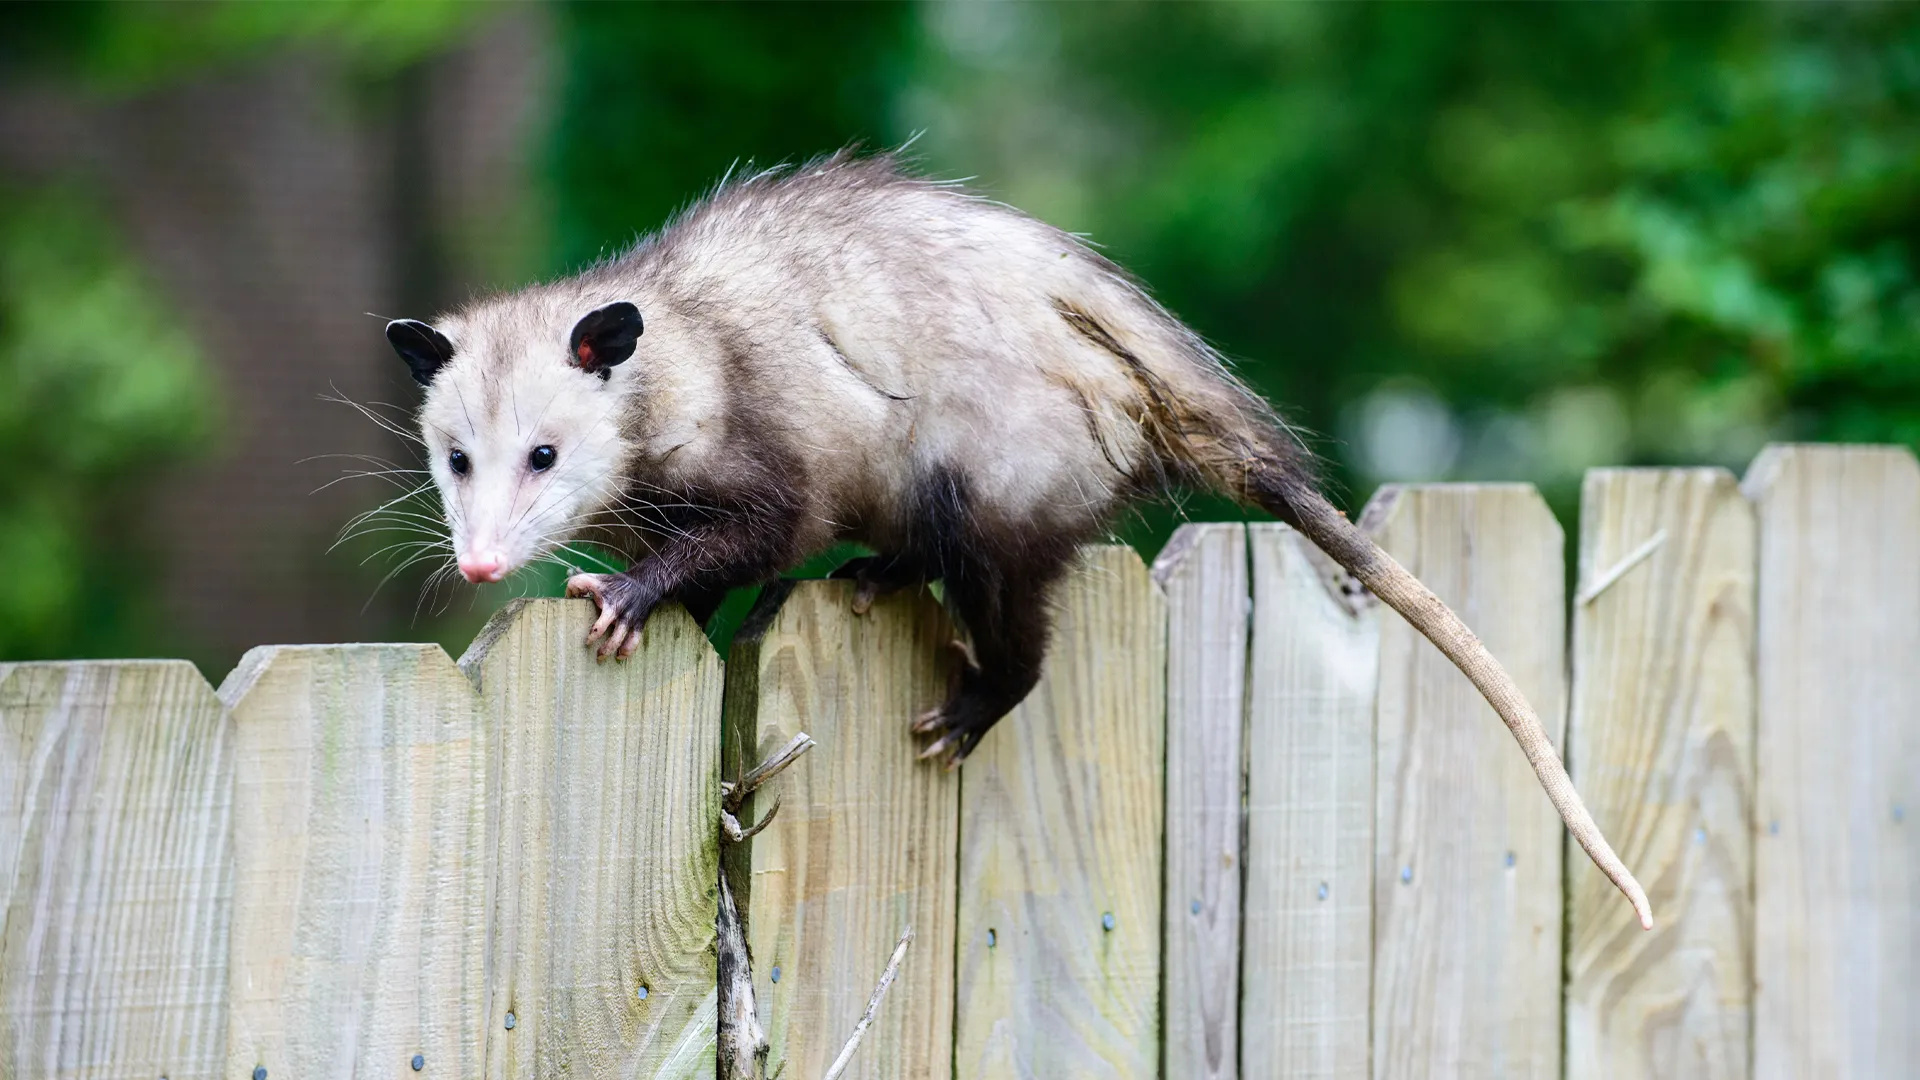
<point x="1296" y="501"/>
<point x="1211" y="428"/>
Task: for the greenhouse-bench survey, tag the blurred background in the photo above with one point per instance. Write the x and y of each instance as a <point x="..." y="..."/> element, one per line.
<point x="1453" y="241"/>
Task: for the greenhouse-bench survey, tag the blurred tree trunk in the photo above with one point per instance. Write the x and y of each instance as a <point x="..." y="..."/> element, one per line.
<point x="289" y="206"/>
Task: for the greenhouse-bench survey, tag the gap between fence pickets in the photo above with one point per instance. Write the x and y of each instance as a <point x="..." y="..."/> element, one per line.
<point x="743" y="1043"/>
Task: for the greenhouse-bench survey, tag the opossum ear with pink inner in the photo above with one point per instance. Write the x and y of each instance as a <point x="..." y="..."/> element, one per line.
<point x="424" y="349"/>
<point x="605" y="337"/>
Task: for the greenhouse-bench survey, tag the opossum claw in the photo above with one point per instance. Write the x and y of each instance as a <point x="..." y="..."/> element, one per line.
<point x="929" y="722"/>
<point x="964" y="650"/>
<point x="624" y="607"/>
<point x="940" y="746"/>
<point x="957" y="739"/>
<point x="610" y="644"/>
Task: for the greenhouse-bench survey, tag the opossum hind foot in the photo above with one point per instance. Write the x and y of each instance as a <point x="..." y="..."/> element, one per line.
<point x="624" y="604"/>
<point x="957" y="727"/>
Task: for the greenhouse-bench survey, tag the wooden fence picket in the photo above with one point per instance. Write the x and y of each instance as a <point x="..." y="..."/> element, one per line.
<point x="1203" y="572"/>
<point x="1310" y="809"/>
<point x="1062" y="808"/>
<point x="116" y="876"/>
<point x="358" y="837"/>
<point x="864" y="842"/>
<point x="1837" y="851"/>
<point x="604" y="864"/>
<point x="1467" y="902"/>
<point x="1661" y="747"/>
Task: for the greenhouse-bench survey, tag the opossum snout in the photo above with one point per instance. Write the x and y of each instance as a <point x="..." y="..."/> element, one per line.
<point x="483" y="566"/>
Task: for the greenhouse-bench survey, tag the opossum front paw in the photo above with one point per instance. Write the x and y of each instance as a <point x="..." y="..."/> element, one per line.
<point x="624" y="606"/>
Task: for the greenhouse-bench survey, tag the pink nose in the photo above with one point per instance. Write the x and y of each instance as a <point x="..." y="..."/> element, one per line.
<point x="489" y="566"/>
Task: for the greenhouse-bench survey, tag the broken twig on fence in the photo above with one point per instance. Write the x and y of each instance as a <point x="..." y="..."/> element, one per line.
<point x="1619" y="570"/>
<point x="734" y="795"/>
<point x="873" y="1006"/>
<point x="743" y="1042"/>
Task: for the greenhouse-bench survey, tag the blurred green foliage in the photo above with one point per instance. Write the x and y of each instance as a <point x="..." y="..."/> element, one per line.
<point x="105" y="391"/>
<point x="658" y="101"/>
<point x="121" y="48"/>
<point x="1452" y="241"/>
<point x="1485" y="240"/>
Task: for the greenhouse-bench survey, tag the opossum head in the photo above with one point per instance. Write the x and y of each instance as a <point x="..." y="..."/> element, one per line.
<point x="521" y="424"/>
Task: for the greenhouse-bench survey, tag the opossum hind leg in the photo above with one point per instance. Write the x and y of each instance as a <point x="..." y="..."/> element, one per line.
<point x="1005" y="610"/>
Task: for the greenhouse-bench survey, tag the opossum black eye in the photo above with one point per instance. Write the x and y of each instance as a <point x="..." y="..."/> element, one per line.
<point x="457" y="461"/>
<point x="541" y="459"/>
<point x="605" y="338"/>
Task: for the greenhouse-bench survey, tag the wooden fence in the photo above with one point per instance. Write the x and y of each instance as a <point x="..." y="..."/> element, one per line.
<point x="1246" y="826"/>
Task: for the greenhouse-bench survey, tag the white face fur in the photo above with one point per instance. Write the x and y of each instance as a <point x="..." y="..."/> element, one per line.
<point x="525" y="444"/>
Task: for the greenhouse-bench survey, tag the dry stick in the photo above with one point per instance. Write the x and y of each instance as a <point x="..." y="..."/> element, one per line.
<point x="1619" y="570"/>
<point x="743" y="1045"/>
<point x="734" y="795"/>
<point x="873" y="1005"/>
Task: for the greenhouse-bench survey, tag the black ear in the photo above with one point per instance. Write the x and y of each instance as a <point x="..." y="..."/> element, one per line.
<point x="605" y="338"/>
<point x="421" y="346"/>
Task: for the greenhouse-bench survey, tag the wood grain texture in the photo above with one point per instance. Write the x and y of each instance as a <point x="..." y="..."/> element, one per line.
<point x="1466" y="940"/>
<point x="865" y="841"/>
<point x="359" y="888"/>
<point x="1310" y="806"/>
<point x="602" y="821"/>
<point x="116" y="794"/>
<point x="1062" y="810"/>
<point x="1661" y="746"/>
<point x="1837" y="852"/>
<point x="1203" y="572"/>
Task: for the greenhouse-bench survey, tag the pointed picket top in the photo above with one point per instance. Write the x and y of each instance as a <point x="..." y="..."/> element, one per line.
<point x="116" y="784"/>
<point x="1064" y="805"/>
<point x="1660" y="744"/>
<point x="1467" y="850"/>
<point x="605" y="817"/>
<point x="1312" y="690"/>
<point x="359" y="860"/>
<point x="1203" y="571"/>
<point x="1836" y="853"/>
<point x="863" y="845"/>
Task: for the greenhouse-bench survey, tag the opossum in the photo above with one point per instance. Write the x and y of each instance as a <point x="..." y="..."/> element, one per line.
<point x="847" y="351"/>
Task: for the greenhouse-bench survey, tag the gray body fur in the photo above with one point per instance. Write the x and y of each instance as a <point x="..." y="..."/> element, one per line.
<point x="868" y="328"/>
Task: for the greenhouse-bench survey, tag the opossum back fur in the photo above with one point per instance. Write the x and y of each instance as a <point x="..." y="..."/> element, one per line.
<point x="845" y="329"/>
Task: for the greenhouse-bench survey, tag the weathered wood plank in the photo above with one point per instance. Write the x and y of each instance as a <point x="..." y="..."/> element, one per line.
<point x="1063" y="809"/>
<point x="1467" y="886"/>
<point x="1204" y="574"/>
<point x="865" y="841"/>
<point x="602" y="817"/>
<point x="359" y="895"/>
<point x="1661" y="746"/>
<point x="116" y="793"/>
<point x="1837" y="852"/>
<point x="1309" y="937"/>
